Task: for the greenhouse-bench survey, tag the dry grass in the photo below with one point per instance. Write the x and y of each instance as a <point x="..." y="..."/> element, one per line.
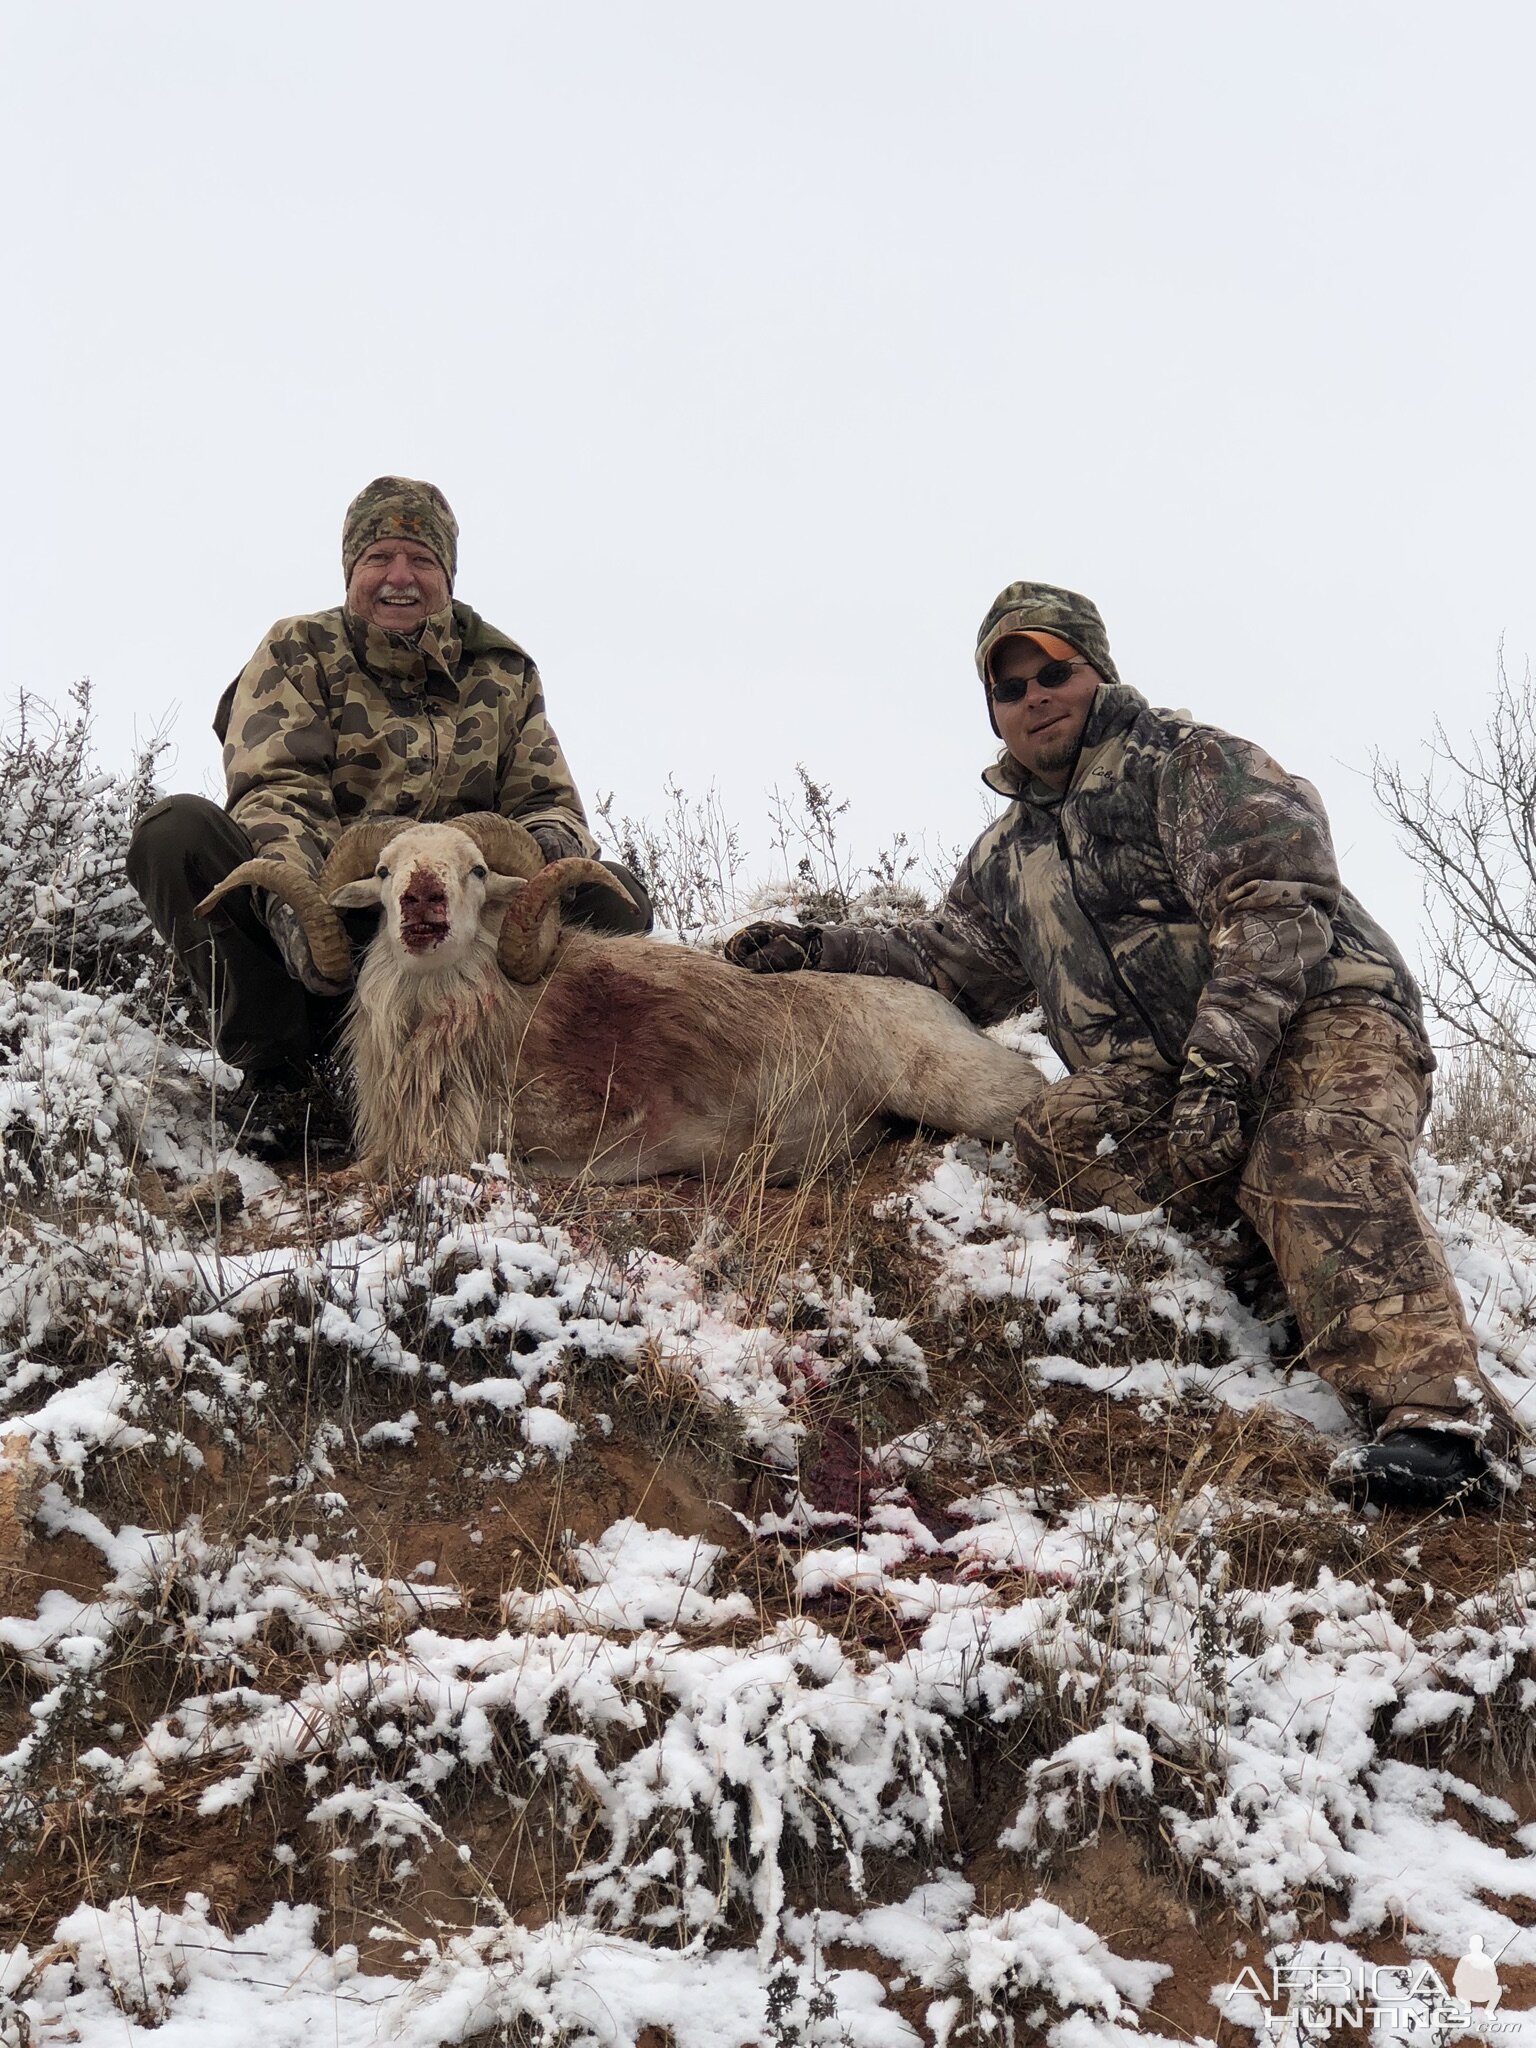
<point x="1485" y="1120"/>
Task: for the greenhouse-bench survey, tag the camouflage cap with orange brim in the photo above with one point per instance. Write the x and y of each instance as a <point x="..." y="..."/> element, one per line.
<point x="400" y="508"/>
<point x="1060" y="621"/>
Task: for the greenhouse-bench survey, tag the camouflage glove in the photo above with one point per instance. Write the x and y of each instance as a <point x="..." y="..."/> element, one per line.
<point x="556" y="842"/>
<point x="774" y="948"/>
<point x="1208" y="1130"/>
<point x="288" y="936"/>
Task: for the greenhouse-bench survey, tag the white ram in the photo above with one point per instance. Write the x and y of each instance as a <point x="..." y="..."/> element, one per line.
<point x="478" y="1025"/>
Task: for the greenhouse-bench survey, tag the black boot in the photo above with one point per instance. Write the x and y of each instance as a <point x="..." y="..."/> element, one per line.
<point x="1416" y="1468"/>
<point x="289" y="1112"/>
<point x="1251" y="1274"/>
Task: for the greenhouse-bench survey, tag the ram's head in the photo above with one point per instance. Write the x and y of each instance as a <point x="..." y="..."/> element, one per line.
<point x="438" y="887"/>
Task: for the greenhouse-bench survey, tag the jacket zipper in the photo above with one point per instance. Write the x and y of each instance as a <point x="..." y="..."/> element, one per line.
<point x="1064" y="854"/>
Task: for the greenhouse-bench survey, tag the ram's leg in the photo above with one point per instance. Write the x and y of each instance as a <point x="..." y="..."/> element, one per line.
<point x="608" y="1149"/>
<point x="953" y="1078"/>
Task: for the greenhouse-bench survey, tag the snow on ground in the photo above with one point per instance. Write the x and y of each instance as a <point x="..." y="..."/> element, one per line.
<point x="998" y="1249"/>
<point x="180" y="1975"/>
<point x="1285" y="1741"/>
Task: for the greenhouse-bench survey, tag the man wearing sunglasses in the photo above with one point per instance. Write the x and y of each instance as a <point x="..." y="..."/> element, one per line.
<point x="1241" y="1037"/>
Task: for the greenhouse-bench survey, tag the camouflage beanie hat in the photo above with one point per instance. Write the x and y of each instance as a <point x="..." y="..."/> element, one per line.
<point x="397" y="507"/>
<point x="1044" y="608"/>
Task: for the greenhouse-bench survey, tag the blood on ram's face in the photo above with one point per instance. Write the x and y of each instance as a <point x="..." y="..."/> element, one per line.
<point x="423" y="910"/>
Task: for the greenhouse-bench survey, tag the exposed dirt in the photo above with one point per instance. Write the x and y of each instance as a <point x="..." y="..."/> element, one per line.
<point x="428" y="1514"/>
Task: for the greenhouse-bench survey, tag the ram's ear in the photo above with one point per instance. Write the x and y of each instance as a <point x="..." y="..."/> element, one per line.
<point x="502" y="888"/>
<point x="363" y="895"/>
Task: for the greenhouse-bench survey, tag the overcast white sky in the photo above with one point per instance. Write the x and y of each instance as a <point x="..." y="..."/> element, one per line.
<point x="757" y="347"/>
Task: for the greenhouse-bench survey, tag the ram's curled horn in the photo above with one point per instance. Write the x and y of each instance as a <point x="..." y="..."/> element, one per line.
<point x="532" y="923"/>
<point x="356" y="852"/>
<point x="323" y="928"/>
<point x="509" y="848"/>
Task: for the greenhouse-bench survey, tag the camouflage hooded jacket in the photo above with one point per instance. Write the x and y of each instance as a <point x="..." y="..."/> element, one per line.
<point x="332" y="718"/>
<point x="1182" y="893"/>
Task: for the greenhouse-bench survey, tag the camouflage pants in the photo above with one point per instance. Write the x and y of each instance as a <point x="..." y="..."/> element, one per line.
<point x="1329" y="1186"/>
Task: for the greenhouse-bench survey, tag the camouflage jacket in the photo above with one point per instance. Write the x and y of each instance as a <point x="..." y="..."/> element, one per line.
<point x="1181" y="894"/>
<point x="332" y="718"/>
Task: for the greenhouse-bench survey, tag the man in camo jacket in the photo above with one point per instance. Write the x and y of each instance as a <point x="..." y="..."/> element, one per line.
<point x="1236" y="1027"/>
<point x="400" y="703"/>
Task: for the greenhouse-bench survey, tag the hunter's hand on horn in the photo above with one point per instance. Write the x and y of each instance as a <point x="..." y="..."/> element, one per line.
<point x="288" y="935"/>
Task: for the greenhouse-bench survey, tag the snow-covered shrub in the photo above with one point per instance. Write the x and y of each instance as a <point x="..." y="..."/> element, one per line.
<point x="98" y="1064"/>
<point x="66" y="910"/>
<point x="691" y="862"/>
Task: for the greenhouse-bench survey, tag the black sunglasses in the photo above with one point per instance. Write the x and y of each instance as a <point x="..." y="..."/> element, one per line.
<point x="1012" y="688"/>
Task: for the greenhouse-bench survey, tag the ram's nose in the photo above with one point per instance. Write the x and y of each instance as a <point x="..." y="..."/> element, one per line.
<point x="424" y="895"/>
<point x="423" y="910"/>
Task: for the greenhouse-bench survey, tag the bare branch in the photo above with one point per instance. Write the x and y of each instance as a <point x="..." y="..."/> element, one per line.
<point x="1469" y="826"/>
